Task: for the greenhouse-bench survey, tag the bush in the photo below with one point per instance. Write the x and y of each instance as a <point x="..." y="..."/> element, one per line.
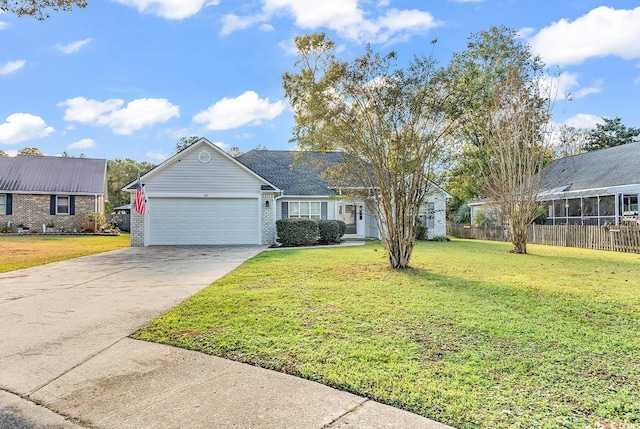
<point x="329" y="231"/>
<point x="90" y="222"/>
<point x="463" y="214"/>
<point x="343" y="228"/>
<point x="297" y="231"/>
<point x="440" y="238"/>
<point x="420" y="231"/>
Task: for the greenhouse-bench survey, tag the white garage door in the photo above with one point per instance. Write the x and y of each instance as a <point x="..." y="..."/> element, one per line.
<point x="180" y="221"/>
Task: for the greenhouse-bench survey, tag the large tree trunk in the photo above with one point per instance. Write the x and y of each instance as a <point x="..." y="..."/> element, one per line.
<point x="400" y="251"/>
<point x="519" y="237"/>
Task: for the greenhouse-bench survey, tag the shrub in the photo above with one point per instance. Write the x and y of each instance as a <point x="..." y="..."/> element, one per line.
<point x="420" y="230"/>
<point x="343" y="228"/>
<point x="463" y="214"/>
<point x="329" y="231"/>
<point x="440" y="238"/>
<point x="90" y="222"/>
<point x="297" y="231"/>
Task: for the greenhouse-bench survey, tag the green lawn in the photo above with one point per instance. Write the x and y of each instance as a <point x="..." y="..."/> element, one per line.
<point x="473" y="336"/>
<point x="22" y="251"/>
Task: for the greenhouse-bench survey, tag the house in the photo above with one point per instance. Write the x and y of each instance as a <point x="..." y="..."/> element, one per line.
<point x="594" y="188"/>
<point x="601" y="187"/>
<point x="46" y="190"/>
<point x="202" y="195"/>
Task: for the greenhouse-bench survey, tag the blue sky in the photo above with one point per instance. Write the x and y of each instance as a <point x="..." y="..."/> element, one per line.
<point x="128" y="78"/>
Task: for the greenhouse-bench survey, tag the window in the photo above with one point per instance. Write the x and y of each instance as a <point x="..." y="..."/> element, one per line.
<point x="427" y="215"/>
<point x="3" y="204"/>
<point x="307" y="209"/>
<point x="62" y="205"/>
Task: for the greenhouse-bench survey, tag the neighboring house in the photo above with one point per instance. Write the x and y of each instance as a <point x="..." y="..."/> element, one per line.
<point x="601" y="187"/>
<point x="594" y="188"/>
<point x="37" y="190"/>
<point x="204" y="196"/>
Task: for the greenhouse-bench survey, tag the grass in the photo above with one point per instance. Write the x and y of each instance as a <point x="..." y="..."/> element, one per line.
<point x="472" y="336"/>
<point x="22" y="251"/>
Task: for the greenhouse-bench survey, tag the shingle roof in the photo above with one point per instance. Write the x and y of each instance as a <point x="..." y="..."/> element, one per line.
<point x="615" y="166"/>
<point x="280" y="168"/>
<point x="52" y="174"/>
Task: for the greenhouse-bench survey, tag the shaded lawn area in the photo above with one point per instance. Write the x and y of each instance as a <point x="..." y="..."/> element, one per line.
<point x="473" y="336"/>
<point x="22" y="251"/>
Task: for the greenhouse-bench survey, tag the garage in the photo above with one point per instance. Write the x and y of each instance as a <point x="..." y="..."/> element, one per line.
<point x="193" y="221"/>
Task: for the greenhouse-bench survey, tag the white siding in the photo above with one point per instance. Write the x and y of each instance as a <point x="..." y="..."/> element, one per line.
<point x="188" y="175"/>
<point x="440" y="215"/>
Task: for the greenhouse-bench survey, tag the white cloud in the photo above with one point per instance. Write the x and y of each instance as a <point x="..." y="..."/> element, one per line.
<point x="12" y="152"/>
<point x="345" y="17"/>
<point x="82" y="144"/>
<point x="20" y="127"/>
<point x="583" y="120"/>
<point x="245" y="109"/>
<point x="602" y="32"/>
<point x="157" y="154"/>
<point x="135" y="115"/>
<point x="11" y="67"/>
<point x="72" y="47"/>
<point x="4" y="25"/>
<point x="567" y="86"/>
<point x="169" y="9"/>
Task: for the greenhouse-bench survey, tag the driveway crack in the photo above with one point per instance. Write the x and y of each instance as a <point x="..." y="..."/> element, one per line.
<point x="333" y="422"/>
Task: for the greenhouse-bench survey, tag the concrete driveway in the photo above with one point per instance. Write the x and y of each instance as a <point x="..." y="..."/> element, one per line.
<point x="66" y="361"/>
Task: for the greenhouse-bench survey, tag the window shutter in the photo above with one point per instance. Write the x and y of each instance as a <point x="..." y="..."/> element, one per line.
<point x="72" y="204"/>
<point x="9" y="204"/>
<point x="285" y="210"/>
<point x="323" y="211"/>
<point x="52" y="205"/>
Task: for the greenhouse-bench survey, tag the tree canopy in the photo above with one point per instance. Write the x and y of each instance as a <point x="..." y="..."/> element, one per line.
<point x="39" y="9"/>
<point x="506" y="108"/>
<point x="390" y="123"/>
<point x="30" y="151"/>
<point x="185" y="142"/>
<point x="609" y="134"/>
<point x="121" y="172"/>
<point x="3" y="153"/>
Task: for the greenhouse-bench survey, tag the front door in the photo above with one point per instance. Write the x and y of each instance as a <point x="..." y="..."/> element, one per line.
<point x="350" y="219"/>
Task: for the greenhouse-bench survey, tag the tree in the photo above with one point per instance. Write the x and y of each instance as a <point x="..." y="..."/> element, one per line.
<point x="611" y="133"/>
<point x="39" y="8"/>
<point x="234" y="152"/>
<point x="507" y="112"/>
<point x="121" y="172"/>
<point x="3" y="153"/>
<point x="30" y="151"/>
<point x="390" y="124"/>
<point x="570" y="141"/>
<point x="185" y="142"/>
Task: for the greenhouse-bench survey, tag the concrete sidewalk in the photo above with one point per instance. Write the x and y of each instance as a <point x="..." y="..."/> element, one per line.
<point x="66" y="361"/>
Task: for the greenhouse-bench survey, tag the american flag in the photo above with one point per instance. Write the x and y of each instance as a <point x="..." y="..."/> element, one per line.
<point x="140" y="203"/>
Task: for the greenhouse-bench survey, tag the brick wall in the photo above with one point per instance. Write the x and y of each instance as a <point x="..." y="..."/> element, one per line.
<point x="137" y="226"/>
<point x="33" y="210"/>
<point x="268" y="218"/>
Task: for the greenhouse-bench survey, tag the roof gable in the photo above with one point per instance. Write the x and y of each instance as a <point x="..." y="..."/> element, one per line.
<point x="52" y="174"/>
<point x="199" y="168"/>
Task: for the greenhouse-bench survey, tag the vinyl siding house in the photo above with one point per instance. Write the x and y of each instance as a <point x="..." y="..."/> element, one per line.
<point x="37" y="190"/>
<point x="204" y="196"/>
<point x="594" y="188"/>
<point x="601" y="187"/>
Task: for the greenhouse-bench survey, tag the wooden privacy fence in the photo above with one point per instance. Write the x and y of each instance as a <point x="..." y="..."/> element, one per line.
<point x="614" y="238"/>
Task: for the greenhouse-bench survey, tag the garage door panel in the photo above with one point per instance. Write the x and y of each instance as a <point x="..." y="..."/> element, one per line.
<point x="184" y="221"/>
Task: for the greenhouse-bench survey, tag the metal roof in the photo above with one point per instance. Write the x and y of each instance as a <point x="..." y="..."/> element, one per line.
<point x="615" y="166"/>
<point x="52" y="174"/>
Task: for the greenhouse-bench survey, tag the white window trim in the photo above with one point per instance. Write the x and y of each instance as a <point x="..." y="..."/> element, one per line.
<point x="58" y="212"/>
<point x="314" y="216"/>
<point x="3" y="204"/>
